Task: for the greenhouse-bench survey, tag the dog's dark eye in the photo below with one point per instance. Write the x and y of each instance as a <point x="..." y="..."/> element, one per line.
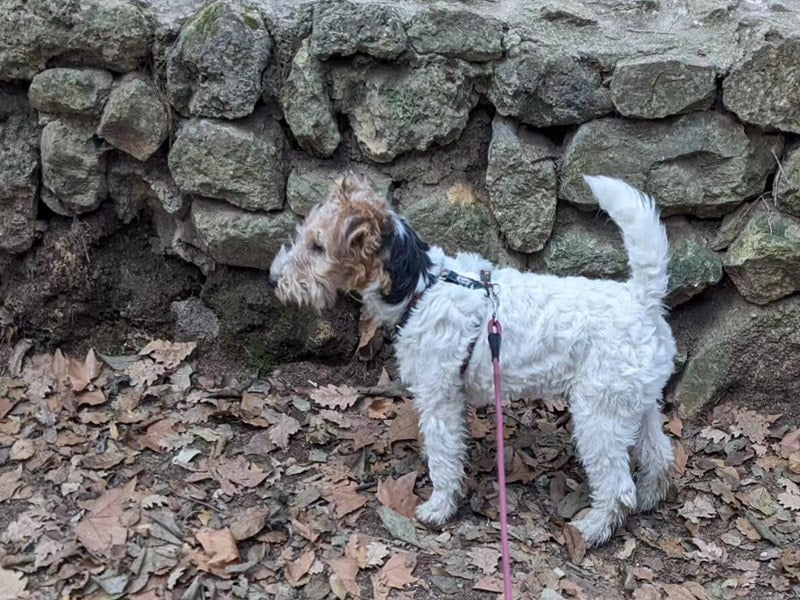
<point x="317" y="248"/>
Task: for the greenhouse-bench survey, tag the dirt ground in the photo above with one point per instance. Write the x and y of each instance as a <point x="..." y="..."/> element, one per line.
<point x="160" y="475"/>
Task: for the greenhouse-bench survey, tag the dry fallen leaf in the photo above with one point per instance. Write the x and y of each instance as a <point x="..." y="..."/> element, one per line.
<point x="103" y="527"/>
<point x="170" y="354"/>
<point x="12" y="584"/>
<point x="699" y="507"/>
<point x="249" y="522"/>
<point x="81" y="374"/>
<point x="331" y="396"/>
<point x="22" y="450"/>
<point x="90" y="398"/>
<point x="219" y="551"/>
<point x="791" y="497"/>
<point x="399" y="494"/>
<point x="346" y="570"/>
<point x="679" y="466"/>
<point x="484" y="558"/>
<point x="281" y="431"/>
<point x="397" y="572"/>
<point x="345" y="499"/>
<point x="404" y="426"/>
<point x="576" y="547"/>
<point x="297" y="569"/>
<point x="10" y="483"/>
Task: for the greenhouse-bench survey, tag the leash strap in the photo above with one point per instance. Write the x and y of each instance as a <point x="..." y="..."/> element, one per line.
<point x="495" y="336"/>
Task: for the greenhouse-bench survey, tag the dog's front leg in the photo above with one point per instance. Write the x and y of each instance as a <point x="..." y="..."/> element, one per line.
<point x="442" y="423"/>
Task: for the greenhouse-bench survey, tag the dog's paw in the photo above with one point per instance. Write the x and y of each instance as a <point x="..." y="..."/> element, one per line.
<point x="438" y="510"/>
<point x="594" y="529"/>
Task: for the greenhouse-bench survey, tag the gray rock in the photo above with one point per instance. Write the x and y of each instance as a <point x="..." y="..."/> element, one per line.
<point x="764" y="261"/>
<point x="71" y="91"/>
<point x="239" y="237"/>
<point x="703" y="164"/>
<point x="239" y="161"/>
<point x="653" y="87"/>
<point x="19" y="174"/>
<point x="309" y="185"/>
<point x="73" y="168"/>
<point x="133" y="185"/>
<point x="592" y="247"/>
<point x="787" y="183"/>
<point x="194" y="320"/>
<point x="456" y="32"/>
<point x="762" y="88"/>
<point x="744" y="353"/>
<point x="114" y="34"/>
<point x="406" y="107"/>
<point x="307" y="105"/>
<point x="521" y="179"/>
<point x="731" y="226"/>
<point x="585" y="246"/>
<point x="453" y="218"/>
<point x="693" y="266"/>
<point x="215" y="68"/>
<point x="135" y="118"/>
<point x="344" y="28"/>
<point x="545" y="86"/>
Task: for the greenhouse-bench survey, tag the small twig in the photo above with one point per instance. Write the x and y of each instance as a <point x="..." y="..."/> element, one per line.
<point x="206" y="504"/>
<point x="392" y="390"/>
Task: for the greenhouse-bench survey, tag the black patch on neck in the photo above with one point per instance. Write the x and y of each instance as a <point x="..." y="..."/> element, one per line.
<point x="406" y="262"/>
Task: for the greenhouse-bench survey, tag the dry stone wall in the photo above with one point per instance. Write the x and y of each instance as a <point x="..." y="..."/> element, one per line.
<point x="222" y="123"/>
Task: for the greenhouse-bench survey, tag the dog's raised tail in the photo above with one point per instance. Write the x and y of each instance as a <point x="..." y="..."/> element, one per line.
<point x="636" y="214"/>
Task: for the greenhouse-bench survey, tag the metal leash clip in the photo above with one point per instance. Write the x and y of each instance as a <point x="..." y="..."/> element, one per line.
<point x="491" y="291"/>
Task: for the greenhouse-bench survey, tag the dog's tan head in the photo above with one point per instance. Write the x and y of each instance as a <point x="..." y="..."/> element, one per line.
<point x="337" y="248"/>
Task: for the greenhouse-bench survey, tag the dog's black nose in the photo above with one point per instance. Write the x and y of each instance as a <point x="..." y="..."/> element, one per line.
<point x="273" y="283"/>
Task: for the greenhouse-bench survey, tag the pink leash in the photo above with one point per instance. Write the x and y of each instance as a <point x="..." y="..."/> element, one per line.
<point x="495" y="333"/>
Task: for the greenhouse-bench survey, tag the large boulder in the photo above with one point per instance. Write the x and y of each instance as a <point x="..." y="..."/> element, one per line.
<point x="19" y="170"/>
<point x="521" y="180"/>
<point x="451" y="216"/>
<point x="787" y="182"/>
<point x="343" y="28"/>
<point x="114" y="34"/>
<point x="582" y="245"/>
<point x="693" y="266"/>
<point x="135" y="118"/>
<point x="762" y="88"/>
<point x="456" y="32"/>
<point x="309" y="184"/>
<point x="547" y="85"/>
<point x="405" y="107"/>
<point x="653" y="87"/>
<point x="241" y="238"/>
<point x="585" y="246"/>
<point x="704" y="164"/>
<point x="740" y="352"/>
<point x="307" y="105"/>
<point x="73" y="168"/>
<point x="238" y="161"/>
<point x="71" y="91"/>
<point x="215" y="67"/>
<point x="764" y="260"/>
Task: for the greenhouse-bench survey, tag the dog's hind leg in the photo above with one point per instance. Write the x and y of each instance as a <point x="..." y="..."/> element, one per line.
<point x="602" y="442"/>
<point x="442" y="421"/>
<point x="653" y="453"/>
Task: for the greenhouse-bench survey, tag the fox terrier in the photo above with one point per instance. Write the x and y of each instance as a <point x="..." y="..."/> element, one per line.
<point x="603" y="345"/>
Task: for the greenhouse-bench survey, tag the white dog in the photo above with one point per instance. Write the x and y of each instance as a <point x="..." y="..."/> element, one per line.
<point x="604" y="345"/>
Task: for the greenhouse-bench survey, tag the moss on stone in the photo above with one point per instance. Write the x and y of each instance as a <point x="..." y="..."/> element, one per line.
<point x="205" y="21"/>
